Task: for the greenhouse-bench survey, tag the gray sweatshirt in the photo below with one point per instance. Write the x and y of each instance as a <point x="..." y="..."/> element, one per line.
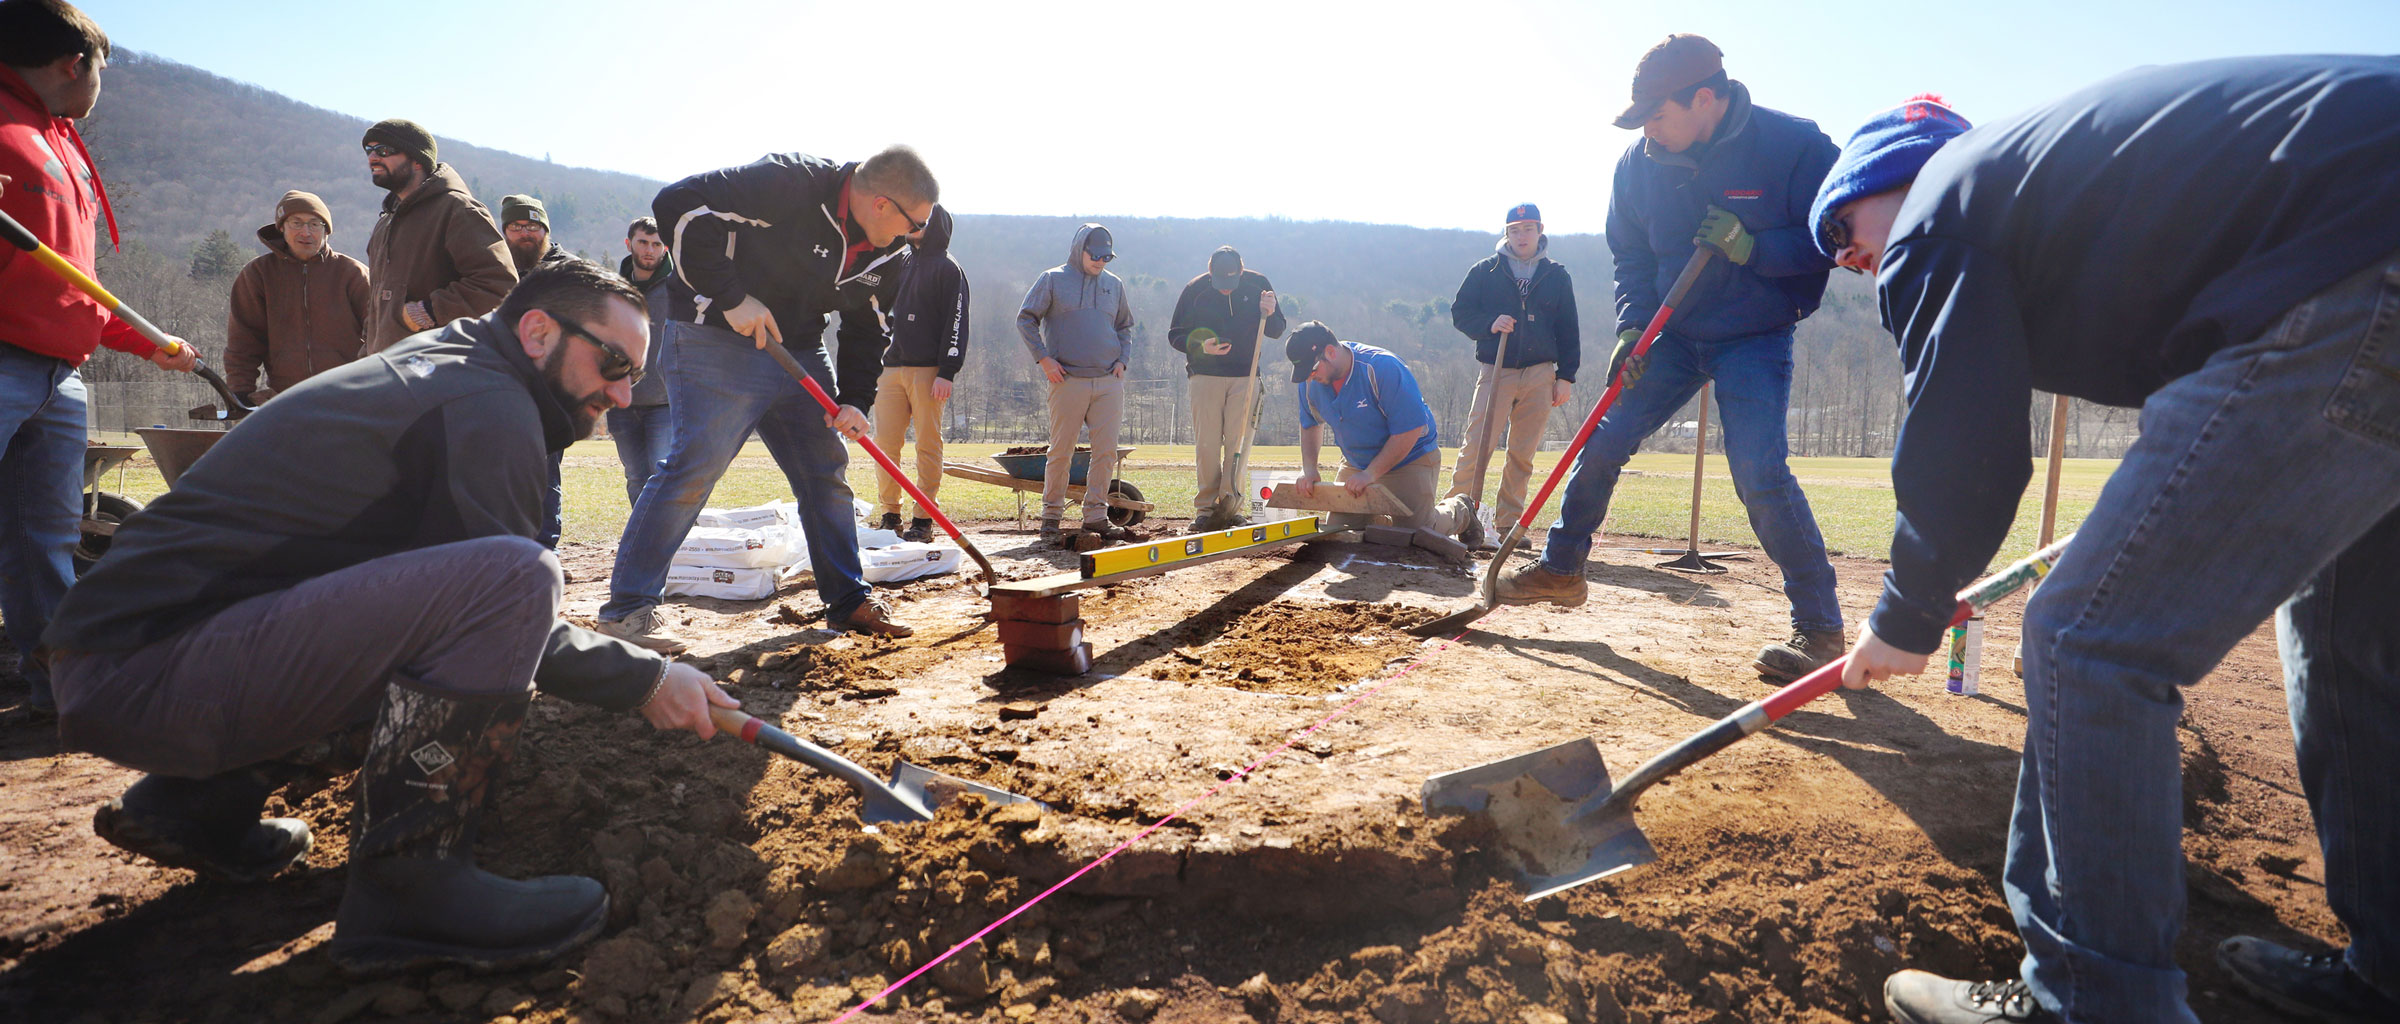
<point x="1086" y="317"/>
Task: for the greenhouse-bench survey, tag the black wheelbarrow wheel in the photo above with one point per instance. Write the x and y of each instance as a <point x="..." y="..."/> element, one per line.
<point x="1125" y="516"/>
<point x="105" y="508"/>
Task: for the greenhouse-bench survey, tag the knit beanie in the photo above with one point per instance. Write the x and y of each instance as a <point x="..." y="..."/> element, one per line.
<point x="1884" y="154"/>
<point x="297" y="201"/>
<point x="522" y="207"/>
<point x="406" y="136"/>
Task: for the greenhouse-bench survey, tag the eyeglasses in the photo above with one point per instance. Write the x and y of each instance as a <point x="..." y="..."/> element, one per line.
<point x="297" y="224"/>
<point x="1099" y="259"/>
<point x="913" y="226"/>
<point x="1837" y="232"/>
<point x="615" y="365"/>
<point x="383" y="149"/>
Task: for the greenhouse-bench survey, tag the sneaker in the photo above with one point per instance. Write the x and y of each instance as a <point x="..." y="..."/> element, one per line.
<point x="920" y="531"/>
<point x="1807" y="651"/>
<point x="890" y="522"/>
<point x="641" y="630"/>
<point x="1917" y="997"/>
<point x="1532" y="584"/>
<point x="2313" y="986"/>
<point x="870" y="617"/>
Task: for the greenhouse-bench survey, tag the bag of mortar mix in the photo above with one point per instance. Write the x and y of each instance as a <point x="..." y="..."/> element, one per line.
<point x="755" y="517"/>
<point x="907" y="561"/>
<point x="730" y="584"/>
<point x="729" y="548"/>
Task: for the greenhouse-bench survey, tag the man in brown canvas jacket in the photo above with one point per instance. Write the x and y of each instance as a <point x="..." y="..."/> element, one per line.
<point x="298" y="310"/>
<point x="436" y="255"/>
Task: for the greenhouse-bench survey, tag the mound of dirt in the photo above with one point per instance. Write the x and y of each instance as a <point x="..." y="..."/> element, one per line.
<point x="1305" y="649"/>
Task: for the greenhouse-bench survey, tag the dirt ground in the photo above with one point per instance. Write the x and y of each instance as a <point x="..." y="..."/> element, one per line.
<point x="1796" y="870"/>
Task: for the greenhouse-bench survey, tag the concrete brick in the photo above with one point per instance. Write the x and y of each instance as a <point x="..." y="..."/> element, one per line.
<point x="1061" y="636"/>
<point x="1448" y="548"/>
<point x="1054" y="610"/>
<point x="1058" y="663"/>
<point x="1389" y="536"/>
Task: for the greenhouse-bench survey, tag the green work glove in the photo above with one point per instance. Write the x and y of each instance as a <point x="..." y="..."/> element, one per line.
<point x="1624" y="362"/>
<point x="1723" y="231"/>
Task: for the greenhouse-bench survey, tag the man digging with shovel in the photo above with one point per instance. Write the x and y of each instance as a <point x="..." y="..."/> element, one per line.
<point x="2218" y="244"/>
<point x="361" y="554"/>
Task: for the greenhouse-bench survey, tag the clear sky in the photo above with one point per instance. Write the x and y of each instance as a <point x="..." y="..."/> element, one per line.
<point x="1438" y="114"/>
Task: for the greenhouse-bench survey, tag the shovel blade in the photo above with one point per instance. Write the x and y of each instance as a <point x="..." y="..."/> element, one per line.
<point x="930" y="790"/>
<point x="1550" y="813"/>
<point x="1449" y="625"/>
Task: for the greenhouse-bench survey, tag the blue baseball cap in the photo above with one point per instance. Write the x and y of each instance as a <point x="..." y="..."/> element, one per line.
<point x="1884" y="154"/>
<point x="1523" y="211"/>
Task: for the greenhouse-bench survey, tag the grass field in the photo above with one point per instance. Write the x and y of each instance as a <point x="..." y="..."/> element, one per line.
<point x="1852" y="498"/>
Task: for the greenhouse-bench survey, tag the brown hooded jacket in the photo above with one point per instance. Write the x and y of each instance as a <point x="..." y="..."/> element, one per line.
<point x="440" y="247"/>
<point x="295" y="318"/>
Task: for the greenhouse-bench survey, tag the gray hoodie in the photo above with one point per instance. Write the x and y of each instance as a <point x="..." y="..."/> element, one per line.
<point x="1087" y="317"/>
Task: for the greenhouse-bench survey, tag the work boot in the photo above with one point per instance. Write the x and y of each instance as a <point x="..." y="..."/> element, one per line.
<point x="1917" y="997"/>
<point x="415" y="896"/>
<point x="1209" y="521"/>
<point x="1532" y="584"/>
<point x="209" y="825"/>
<point x="1050" y="530"/>
<point x="920" y="531"/>
<point x="890" y="521"/>
<point x="1109" y="532"/>
<point x="641" y="630"/>
<point x="1807" y="651"/>
<point x="870" y="617"/>
<point x="2312" y="986"/>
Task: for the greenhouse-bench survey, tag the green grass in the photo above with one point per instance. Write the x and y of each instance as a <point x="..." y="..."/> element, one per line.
<point x="1852" y="498"/>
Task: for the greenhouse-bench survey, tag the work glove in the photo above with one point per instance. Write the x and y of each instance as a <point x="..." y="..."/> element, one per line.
<point x="1632" y="365"/>
<point x="1723" y="231"/>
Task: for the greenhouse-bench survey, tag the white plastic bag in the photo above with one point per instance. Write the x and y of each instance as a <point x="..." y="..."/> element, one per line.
<point x="725" y="547"/>
<point x="730" y="584"/>
<point x="907" y="561"/>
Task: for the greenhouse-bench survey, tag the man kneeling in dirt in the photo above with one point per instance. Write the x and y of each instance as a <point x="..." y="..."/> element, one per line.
<point x="1379" y="420"/>
<point x="361" y="552"/>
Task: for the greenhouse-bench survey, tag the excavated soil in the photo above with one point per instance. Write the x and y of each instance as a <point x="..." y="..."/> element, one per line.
<point x="1795" y="870"/>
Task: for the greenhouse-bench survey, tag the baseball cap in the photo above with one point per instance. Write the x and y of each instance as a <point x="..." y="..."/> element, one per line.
<point x="1224" y="268"/>
<point x="1098" y="243"/>
<point x="1523" y="211"/>
<point x="1303" y="346"/>
<point x="1677" y="63"/>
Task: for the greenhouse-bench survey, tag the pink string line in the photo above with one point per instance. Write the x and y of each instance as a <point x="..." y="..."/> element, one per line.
<point x="1145" y="833"/>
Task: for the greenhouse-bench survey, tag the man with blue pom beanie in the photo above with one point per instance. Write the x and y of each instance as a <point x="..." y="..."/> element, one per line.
<point x="1711" y="169"/>
<point x="2217" y="244"/>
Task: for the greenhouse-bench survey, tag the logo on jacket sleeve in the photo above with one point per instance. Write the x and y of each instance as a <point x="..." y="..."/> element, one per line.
<point x="1745" y="193"/>
<point x="821" y="251"/>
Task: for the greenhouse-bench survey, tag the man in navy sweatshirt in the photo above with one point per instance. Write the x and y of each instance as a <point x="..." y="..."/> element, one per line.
<point x="1712" y="170"/>
<point x="2218" y="244"/>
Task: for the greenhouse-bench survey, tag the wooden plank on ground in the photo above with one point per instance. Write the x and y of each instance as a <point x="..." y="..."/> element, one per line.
<point x="1332" y="497"/>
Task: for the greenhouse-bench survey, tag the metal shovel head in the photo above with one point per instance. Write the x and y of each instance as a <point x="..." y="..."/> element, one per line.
<point x="1550" y="813"/>
<point x="929" y="789"/>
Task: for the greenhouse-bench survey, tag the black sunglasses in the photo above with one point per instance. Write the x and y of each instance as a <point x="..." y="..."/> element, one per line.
<point x="1099" y="259"/>
<point x="383" y="149"/>
<point x="913" y="226"/>
<point x="615" y="365"/>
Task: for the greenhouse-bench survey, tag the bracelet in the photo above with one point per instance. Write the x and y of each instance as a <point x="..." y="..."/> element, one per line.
<point x="656" y="684"/>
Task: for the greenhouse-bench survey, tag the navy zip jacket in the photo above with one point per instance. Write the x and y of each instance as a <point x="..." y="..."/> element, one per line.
<point x="779" y="229"/>
<point x="1234" y="317"/>
<point x="929" y="315"/>
<point x="661" y="292"/>
<point x="2102" y="246"/>
<point x="1765" y="166"/>
<point x="1547" y="330"/>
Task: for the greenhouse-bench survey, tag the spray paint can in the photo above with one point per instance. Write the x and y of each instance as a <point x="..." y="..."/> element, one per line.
<point x="1966" y="656"/>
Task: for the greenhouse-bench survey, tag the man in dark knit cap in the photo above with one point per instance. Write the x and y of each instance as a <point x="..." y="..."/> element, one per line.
<point x="525" y="226"/>
<point x="300" y="309"/>
<point x="1218" y="323"/>
<point x="2218" y="244"/>
<point x="435" y="255"/>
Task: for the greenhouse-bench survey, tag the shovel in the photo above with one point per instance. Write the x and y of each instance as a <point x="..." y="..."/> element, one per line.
<point x="1455" y="621"/>
<point x="792" y="366"/>
<point x="1562" y="824"/>
<point x="18" y="236"/>
<point x="912" y="795"/>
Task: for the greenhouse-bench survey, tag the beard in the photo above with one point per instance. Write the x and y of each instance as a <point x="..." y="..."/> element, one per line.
<point x="392" y="180"/>
<point x="650" y="265"/>
<point x="583" y="411"/>
<point x="525" y="253"/>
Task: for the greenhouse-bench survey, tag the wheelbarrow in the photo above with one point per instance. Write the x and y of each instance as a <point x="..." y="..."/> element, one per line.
<point x="102" y="510"/>
<point x="1022" y="472"/>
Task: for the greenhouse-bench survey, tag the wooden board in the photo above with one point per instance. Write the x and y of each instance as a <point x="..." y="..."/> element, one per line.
<point x="1303" y="529"/>
<point x="1332" y="497"/>
<point x="986" y="475"/>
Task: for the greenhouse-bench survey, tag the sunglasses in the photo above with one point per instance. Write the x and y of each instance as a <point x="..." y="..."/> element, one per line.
<point x="383" y="149"/>
<point x="913" y="225"/>
<point x="1100" y="259"/>
<point x="615" y="365"/>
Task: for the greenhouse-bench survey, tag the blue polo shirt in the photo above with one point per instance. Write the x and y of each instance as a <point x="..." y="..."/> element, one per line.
<point x="1379" y="398"/>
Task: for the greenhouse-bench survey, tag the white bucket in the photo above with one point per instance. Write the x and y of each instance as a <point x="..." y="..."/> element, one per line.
<point x="1262" y="487"/>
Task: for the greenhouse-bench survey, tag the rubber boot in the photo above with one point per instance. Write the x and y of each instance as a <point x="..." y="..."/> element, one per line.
<point x="209" y="825"/>
<point x="415" y="896"/>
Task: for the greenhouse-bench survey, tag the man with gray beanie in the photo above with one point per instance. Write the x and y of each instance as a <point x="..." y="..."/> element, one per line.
<point x="1079" y="326"/>
<point x="435" y="255"/>
<point x="298" y="310"/>
<point x="2217" y="244"/>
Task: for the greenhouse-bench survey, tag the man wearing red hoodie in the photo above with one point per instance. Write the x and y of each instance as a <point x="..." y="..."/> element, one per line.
<point x="51" y="56"/>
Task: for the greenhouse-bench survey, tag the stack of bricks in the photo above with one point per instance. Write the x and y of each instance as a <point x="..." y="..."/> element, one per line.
<point x="1044" y="634"/>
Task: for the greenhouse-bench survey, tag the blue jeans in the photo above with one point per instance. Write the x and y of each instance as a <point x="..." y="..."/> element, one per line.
<point x="722" y="388"/>
<point x="1754" y="389"/>
<point x="645" y="436"/>
<point x="41" y="498"/>
<point x="2269" y="476"/>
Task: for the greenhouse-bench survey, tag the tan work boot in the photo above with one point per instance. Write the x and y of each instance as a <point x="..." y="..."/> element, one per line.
<point x="1532" y="584"/>
<point x="870" y="617"/>
<point x="641" y="630"/>
<point x="1807" y="651"/>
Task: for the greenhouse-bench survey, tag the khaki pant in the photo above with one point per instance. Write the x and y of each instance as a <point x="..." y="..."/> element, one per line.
<point x="1098" y="405"/>
<point x="1217" y="434"/>
<point x="904" y="398"/>
<point x="1411" y="482"/>
<point x="1524" y="405"/>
